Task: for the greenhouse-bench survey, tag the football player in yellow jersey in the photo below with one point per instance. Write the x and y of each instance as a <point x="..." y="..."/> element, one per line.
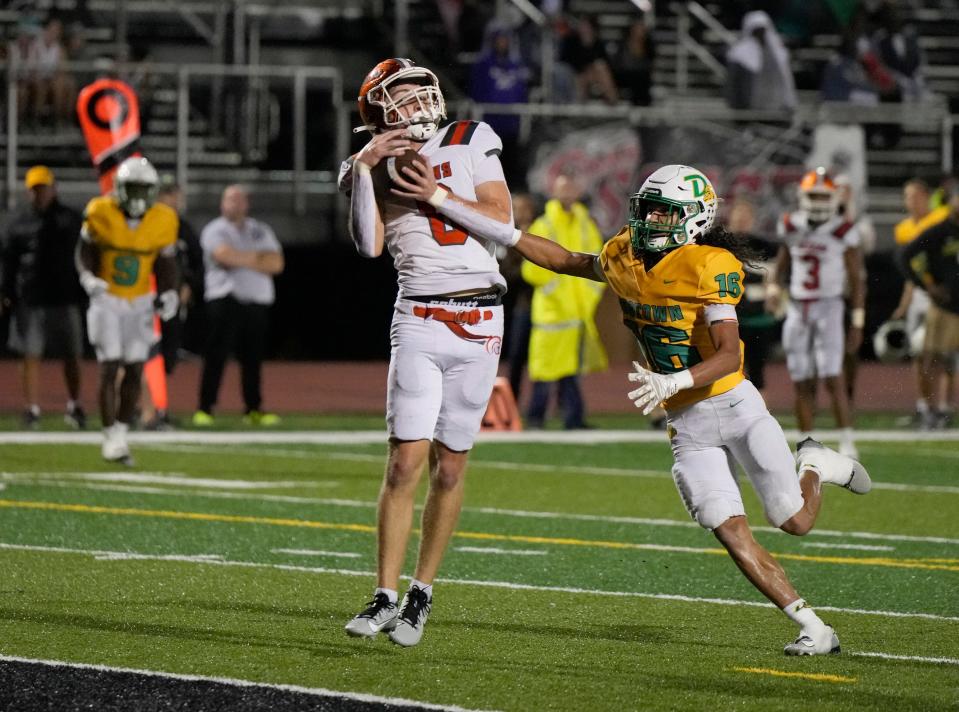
<point x="678" y="280"/>
<point x="125" y="238"/>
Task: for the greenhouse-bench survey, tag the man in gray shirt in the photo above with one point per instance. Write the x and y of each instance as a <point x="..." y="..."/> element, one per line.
<point x="241" y="256"/>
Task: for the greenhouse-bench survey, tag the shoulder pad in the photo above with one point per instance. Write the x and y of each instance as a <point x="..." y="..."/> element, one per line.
<point x="841" y="229"/>
<point x="478" y="135"/>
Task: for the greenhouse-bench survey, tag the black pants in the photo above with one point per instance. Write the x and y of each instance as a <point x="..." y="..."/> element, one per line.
<point x="234" y="328"/>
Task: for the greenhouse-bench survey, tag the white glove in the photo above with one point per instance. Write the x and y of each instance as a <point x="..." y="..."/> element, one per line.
<point x="656" y="387"/>
<point x="92" y="285"/>
<point x="167" y="304"/>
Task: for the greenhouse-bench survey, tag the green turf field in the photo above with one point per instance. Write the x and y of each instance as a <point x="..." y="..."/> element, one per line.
<point x="576" y="580"/>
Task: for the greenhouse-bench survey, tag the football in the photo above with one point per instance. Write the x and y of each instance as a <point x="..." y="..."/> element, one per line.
<point x="396" y="164"/>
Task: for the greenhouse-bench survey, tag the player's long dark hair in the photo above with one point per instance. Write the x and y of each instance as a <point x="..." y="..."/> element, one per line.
<point x="735" y="242"/>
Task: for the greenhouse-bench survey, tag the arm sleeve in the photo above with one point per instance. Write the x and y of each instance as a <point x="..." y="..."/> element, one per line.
<point x="719" y="312"/>
<point x="211" y="238"/>
<point x="344" y="181"/>
<point x="271" y="243"/>
<point x="852" y="238"/>
<point x="486" y="148"/>
<point x="363" y="213"/>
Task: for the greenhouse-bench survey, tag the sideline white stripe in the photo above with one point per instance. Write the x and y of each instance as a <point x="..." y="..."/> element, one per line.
<point x="493" y="584"/>
<point x="316" y="691"/>
<point x="578" y="470"/>
<point x="858" y="547"/>
<point x="485" y="510"/>
<point x="196" y="558"/>
<point x="909" y="658"/>
<point x="173" y="478"/>
<point x="317" y="552"/>
<point x="368" y="437"/>
<point x="497" y="550"/>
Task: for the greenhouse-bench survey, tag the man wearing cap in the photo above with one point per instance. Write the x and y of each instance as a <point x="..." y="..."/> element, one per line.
<point x="931" y="262"/>
<point x="39" y="285"/>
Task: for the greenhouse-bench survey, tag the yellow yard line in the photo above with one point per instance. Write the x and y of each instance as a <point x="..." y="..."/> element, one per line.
<point x="929" y="564"/>
<point x="817" y="677"/>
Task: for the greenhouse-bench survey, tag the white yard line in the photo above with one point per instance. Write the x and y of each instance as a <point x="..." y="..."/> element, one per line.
<point x="487" y="584"/>
<point x="316" y="691"/>
<point x="857" y="547"/>
<point x="496" y="550"/>
<point x="317" y="552"/>
<point x="363" y="504"/>
<point x="908" y="658"/>
<point x="125" y="556"/>
<point x="368" y="437"/>
<point x="171" y="478"/>
<point x="577" y="470"/>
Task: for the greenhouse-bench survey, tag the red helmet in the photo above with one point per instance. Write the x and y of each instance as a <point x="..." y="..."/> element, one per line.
<point x="380" y="110"/>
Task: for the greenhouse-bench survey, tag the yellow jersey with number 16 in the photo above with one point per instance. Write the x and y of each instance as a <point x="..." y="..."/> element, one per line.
<point x="664" y="306"/>
<point x="128" y="248"/>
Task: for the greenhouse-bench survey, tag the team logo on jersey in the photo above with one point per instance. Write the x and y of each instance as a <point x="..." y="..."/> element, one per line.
<point x="494" y="344"/>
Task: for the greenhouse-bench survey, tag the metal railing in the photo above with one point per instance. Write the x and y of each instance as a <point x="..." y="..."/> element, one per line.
<point x="187" y="76"/>
<point x="688" y="46"/>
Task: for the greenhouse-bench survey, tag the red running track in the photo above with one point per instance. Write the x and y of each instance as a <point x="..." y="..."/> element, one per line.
<point x="360" y="387"/>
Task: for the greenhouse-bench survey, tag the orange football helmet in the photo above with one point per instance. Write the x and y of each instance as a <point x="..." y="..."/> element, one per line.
<point x="818" y="195"/>
<point x="379" y="108"/>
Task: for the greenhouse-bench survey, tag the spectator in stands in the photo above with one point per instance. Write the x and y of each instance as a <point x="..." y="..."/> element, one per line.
<point x="845" y="78"/>
<point x="39" y="284"/>
<point x="757" y="326"/>
<point x="499" y="76"/>
<point x="634" y="66"/>
<point x="914" y="302"/>
<point x="241" y="255"/>
<point x="21" y="58"/>
<point x="930" y="262"/>
<point x="52" y="84"/>
<point x="582" y="50"/>
<point x="760" y="77"/>
<point x="563" y="341"/>
<point x="516" y="304"/>
<point x="897" y="46"/>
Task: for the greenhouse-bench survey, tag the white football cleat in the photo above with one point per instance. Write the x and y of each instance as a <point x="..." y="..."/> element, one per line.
<point x="414" y="611"/>
<point x="115" y="448"/>
<point x="833" y="467"/>
<point x="822" y="642"/>
<point x="379" y="615"/>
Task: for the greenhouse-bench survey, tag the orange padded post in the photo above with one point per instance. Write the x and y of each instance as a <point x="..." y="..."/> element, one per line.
<point x="502" y="413"/>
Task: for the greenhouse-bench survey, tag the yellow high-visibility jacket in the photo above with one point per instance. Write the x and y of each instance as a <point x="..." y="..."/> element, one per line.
<point x="564" y="340"/>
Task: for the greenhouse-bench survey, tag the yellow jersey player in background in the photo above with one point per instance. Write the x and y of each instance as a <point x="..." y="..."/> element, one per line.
<point x="125" y="238"/>
<point x="678" y="280"/>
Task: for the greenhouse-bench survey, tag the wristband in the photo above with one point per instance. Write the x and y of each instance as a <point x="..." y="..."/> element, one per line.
<point x="439" y="195"/>
<point x="857" y="318"/>
<point x="360" y="167"/>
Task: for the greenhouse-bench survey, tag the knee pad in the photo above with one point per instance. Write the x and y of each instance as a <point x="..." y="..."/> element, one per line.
<point x="714" y="511"/>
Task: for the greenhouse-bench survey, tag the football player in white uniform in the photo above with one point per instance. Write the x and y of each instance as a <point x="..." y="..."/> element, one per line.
<point x="820" y="253"/>
<point x="447" y="324"/>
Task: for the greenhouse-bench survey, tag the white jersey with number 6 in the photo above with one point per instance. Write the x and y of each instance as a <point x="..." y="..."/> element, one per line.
<point x="817" y="262"/>
<point x="432" y="255"/>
